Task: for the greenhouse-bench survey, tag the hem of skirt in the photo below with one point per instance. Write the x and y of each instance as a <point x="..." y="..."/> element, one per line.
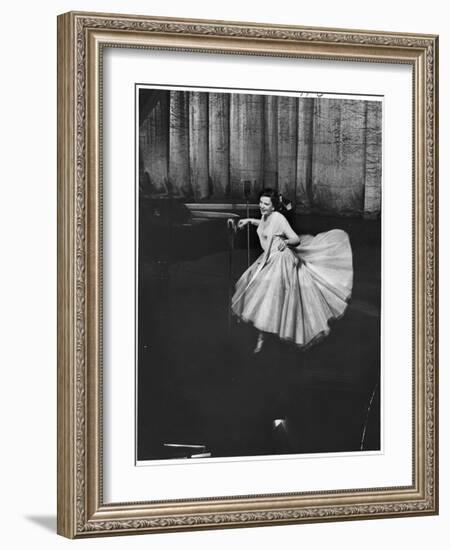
<point x="303" y="347"/>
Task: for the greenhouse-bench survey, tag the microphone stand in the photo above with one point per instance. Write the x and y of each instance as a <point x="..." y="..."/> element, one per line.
<point x="247" y="195"/>
<point x="232" y="228"/>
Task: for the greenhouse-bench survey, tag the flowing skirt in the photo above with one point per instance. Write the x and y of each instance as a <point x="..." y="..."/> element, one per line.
<point x="294" y="293"/>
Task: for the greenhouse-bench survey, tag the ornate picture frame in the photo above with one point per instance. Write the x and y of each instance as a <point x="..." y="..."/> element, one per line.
<point x="83" y="510"/>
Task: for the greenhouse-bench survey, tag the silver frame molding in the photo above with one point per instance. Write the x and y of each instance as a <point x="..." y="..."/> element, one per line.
<point x="81" y="37"/>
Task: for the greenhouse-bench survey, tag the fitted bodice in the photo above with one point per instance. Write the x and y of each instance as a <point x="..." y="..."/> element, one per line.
<point x="274" y="224"/>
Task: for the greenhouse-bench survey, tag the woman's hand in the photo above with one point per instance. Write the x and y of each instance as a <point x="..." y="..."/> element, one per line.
<point x="285" y="241"/>
<point x="281" y="241"/>
<point x="242" y="223"/>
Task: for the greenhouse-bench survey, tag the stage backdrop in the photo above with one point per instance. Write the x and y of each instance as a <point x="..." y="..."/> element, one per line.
<point x="323" y="153"/>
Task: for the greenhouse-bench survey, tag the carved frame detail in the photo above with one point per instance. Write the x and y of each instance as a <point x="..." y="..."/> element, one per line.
<point x="80" y="508"/>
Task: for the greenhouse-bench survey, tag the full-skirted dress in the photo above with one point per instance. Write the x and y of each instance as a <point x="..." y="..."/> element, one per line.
<point x="294" y="293"/>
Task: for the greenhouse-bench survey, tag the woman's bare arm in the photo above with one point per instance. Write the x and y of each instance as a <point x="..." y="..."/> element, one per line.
<point x="289" y="236"/>
<point x="253" y="221"/>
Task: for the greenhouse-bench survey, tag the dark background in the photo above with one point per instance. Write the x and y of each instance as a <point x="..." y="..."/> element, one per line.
<point x="199" y="381"/>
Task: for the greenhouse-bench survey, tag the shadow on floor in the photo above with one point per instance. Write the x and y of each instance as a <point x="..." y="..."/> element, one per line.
<point x="46" y="522"/>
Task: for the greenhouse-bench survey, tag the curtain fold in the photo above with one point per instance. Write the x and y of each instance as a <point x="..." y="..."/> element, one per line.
<point x="153" y="146"/>
<point x="271" y="141"/>
<point x="219" y="144"/>
<point x="372" y="188"/>
<point x="339" y="150"/>
<point x="305" y="132"/>
<point x="179" y="165"/>
<point x="198" y="145"/>
<point x="287" y="144"/>
<point x="246" y="142"/>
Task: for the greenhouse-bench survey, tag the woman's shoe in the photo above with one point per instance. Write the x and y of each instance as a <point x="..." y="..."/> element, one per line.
<point x="259" y="343"/>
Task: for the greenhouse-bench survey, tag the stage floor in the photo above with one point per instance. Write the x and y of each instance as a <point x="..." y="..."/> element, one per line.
<point x="200" y="383"/>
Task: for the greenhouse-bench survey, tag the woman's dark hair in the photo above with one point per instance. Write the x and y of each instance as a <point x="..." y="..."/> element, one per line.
<point x="280" y="203"/>
<point x="274" y="197"/>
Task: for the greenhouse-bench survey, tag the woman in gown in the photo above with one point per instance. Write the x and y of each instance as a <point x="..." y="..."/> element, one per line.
<point x="298" y="284"/>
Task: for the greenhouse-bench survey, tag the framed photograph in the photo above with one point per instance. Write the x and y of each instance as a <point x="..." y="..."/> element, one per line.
<point x="247" y="274"/>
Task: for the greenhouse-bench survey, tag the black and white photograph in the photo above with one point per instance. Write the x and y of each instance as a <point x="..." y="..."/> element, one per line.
<point x="223" y="236"/>
<point x="258" y="273"/>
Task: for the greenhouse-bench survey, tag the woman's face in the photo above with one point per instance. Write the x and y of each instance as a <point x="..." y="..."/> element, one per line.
<point x="266" y="206"/>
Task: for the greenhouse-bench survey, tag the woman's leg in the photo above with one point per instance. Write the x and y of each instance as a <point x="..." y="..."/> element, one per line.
<point x="259" y="342"/>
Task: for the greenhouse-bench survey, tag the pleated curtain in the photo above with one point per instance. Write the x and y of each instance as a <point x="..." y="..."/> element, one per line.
<point x="323" y="154"/>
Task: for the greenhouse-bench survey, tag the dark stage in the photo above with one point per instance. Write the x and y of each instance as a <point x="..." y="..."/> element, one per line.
<point x="199" y="382"/>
